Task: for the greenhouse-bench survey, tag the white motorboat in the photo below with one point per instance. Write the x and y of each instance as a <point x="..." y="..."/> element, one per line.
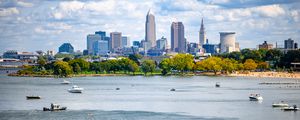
<point x="65" y="82"/>
<point x="281" y="104"/>
<point x="75" y="89"/>
<point x="291" y="108"/>
<point x="255" y="97"/>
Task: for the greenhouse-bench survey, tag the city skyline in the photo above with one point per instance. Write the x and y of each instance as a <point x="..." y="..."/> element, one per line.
<point x="45" y="25"/>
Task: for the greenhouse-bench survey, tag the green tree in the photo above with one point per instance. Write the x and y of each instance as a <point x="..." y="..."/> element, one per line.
<point x="263" y="66"/>
<point x="274" y="56"/>
<point x="133" y="67"/>
<point x="84" y="65"/>
<point x="62" y="69"/>
<point x="113" y="65"/>
<point x="41" y="61"/>
<point x="199" y="66"/>
<point x="135" y="57"/>
<point x="229" y="65"/>
<point x="96" y="66"/>
<point x="213" y="64"/>
<point x="76" y="68"/>
<point x="148" y="66"/>
<point x="250" y="64"/>
<point x="165" y="65"/>
<point x="183" y="62"/>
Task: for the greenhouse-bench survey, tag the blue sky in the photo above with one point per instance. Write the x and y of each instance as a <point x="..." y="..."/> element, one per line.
<point x="30" y="25"/>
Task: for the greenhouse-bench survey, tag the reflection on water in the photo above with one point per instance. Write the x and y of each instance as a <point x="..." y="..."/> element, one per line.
<point x="195" y="97"/>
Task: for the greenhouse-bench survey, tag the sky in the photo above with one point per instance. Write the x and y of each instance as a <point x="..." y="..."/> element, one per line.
<point x="31" y="25"/>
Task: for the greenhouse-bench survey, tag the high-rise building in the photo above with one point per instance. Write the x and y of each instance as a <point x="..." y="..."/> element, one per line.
<point x="91" y="41"/>
<point x="115" y="41"/>
<point x="125" y="41"/>
<point x="161" y="44"/>
<point x="178" y="41"/>
<point x="289" y="44"/>
<point x="265" y="45"/>
<point x="211" y="48"/>
<point x="202" y="35"/>
<point x="150" y="29"/>
<point x="136" y="44"/>
<point x="227" y="42"/>
<point x="66" y="48"/>
<point x="101" y="47"/>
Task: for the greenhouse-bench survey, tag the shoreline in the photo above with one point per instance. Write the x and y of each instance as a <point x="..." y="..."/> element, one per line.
<point x="294" y="75"/>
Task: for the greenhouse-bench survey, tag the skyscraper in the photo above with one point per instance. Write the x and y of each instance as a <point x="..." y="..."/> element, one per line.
<point x="125" y="41"/>
<point x="150" y="29"/>
<point x="91" y="40"/>
<point x="178" y="41"/>
<point x="227" y="42"/>
<point x="289" y="44"/>
<point x="115" y="41"/>
<point x="202" y="34"/>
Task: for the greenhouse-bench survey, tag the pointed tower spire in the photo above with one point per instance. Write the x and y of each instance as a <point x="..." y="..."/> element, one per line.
<point x="202" y="34"/>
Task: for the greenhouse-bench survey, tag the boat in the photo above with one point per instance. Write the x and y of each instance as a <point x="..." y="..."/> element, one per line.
<point x="218" y="84"/>
<point x="281" y="104"/>
<point x="255" y="97"/>
<point x="173" y="89"/>
<point x="33" y="97"/>
<point x="291" y="108"/>
<point x="54" y="107"/>
<point x="75" y="89"/>
<point x="65" y="82"/>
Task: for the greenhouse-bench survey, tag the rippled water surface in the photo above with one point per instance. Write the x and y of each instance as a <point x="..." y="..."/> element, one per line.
<point x="148" y="98"/>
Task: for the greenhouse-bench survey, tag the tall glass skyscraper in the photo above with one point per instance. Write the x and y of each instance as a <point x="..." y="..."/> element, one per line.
<point x="150" y="30"/>
<point x="178" y="41"/>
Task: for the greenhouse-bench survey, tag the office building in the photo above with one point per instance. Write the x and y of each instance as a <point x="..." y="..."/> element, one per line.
<point x="227" y="42"/>
<point x="150" y="31"/>
<point x="91" y="41"/>
<point x="161" y="44"/>
<point x="115" y="41"/>
<point x="125" y="41"/>
<point x="178" y="41"/>
<point x="265" y="46"/>
<point x="66" y="48"/>
<point x="289" y="44"/>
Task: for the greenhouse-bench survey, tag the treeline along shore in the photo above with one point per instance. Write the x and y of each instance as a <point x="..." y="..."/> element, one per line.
<point x="253" y="63"/>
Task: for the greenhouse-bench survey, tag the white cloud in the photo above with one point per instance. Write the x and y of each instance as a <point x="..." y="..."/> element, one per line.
<point x="42" y="30"/>
<point x="59" y="26"/>
<point x="8" y="11"/>
<point x="24" y="4"/>
<point x="58" y="15"/>
<point x="295" y="15"/>
<point x="269" y="10"/>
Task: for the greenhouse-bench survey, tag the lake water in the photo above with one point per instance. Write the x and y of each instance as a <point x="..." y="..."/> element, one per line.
<point x="147" y="98"/>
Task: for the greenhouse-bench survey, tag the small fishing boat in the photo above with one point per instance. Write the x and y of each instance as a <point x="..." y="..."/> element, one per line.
<point x="218" y="84"/>
<point x="173" y="89"/>
<point x="291" y="108"/>
<point x="33" y="97"/>
<point x="75" y="89"/>
<point x="281" y="104"/>
<point x="54" y="107"/>
<point x="65" y="82"/>
<point x="255" y="97"/>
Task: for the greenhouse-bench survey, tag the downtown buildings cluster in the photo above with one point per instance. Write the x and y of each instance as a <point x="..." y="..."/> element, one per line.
<point x="101" y="44"/>
<point x="116" y="44"/>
